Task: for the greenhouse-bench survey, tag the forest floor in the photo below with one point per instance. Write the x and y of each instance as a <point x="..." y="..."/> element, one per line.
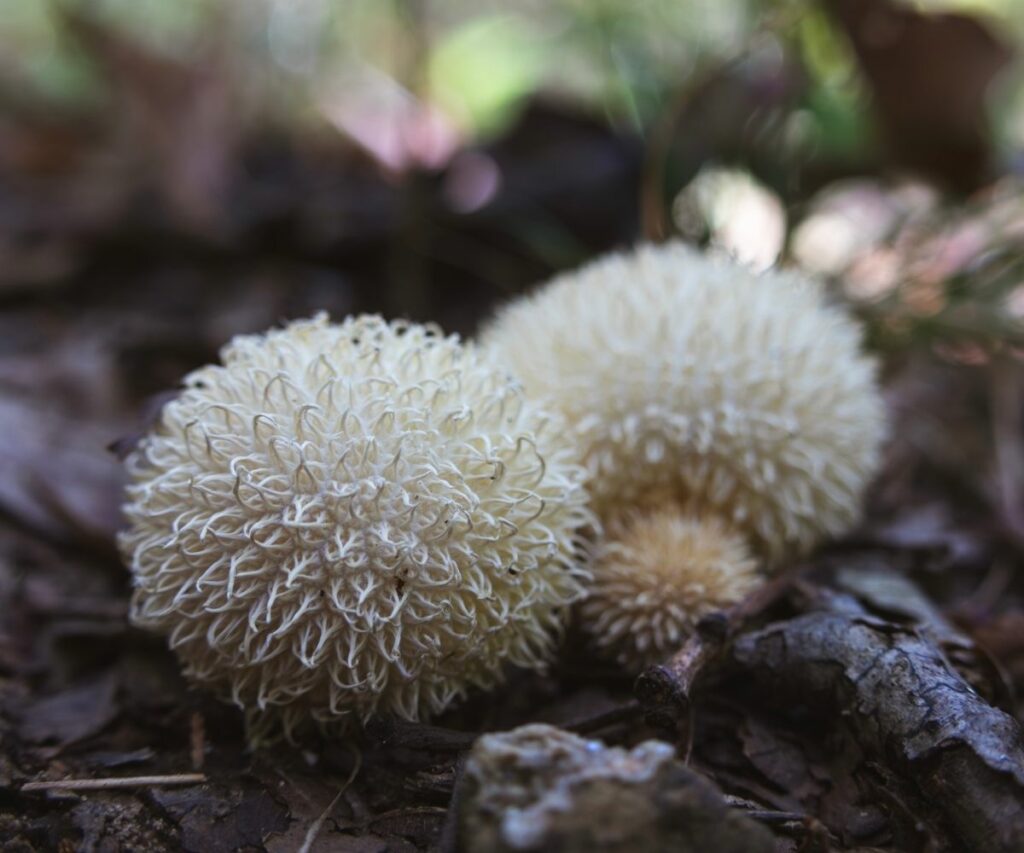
<point x="866" y="700"/>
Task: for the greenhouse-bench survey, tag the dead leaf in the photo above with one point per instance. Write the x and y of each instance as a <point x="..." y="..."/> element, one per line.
<point x="71" y="715"/>
<point x="781" y="761"/>
<point x="219" y="820"/>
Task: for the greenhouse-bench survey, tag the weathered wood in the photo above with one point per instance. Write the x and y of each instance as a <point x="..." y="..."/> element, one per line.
<point x="904" y="702"/>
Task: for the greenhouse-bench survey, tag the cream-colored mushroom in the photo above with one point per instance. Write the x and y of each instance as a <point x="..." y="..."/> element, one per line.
<point x="701" y="394"/>
<point x="346" y="519"/>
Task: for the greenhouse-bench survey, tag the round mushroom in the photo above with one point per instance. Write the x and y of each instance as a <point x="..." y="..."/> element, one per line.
<point x="340" y="520"/>
<point x="696" y="387"/>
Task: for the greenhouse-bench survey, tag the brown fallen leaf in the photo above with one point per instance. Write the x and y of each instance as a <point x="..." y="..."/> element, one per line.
<point x="214" y="819"/>
<point x="71" y="715"/>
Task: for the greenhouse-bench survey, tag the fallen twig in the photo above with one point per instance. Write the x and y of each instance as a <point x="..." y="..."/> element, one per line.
<point x="314" y="828"/>
<point x="618" y="715"/>
<point x="120" y="782"/>
<point x="449" y="840"/>
<point x="665" y="691"/>
<point x="197" y="740"/>
<point x="395" y="733"/>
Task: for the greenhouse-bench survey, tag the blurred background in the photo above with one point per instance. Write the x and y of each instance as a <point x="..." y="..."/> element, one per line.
<point x="174" y="172"/>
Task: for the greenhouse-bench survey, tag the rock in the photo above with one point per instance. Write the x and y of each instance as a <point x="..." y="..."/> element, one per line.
<point x="539" y="788"/>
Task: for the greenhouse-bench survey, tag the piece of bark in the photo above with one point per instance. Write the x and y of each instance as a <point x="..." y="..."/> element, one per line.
<point x="904" y="702"/>
<point x="893" y="596"/>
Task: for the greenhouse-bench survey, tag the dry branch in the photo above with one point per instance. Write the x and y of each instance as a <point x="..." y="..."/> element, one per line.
<point x="665" y="692"/>
<point x="904" y="702"/>
<point x="119" y="782"/>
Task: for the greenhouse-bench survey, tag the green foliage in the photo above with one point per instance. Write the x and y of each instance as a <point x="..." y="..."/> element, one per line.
<point x="483" y="69"/>
<point x="836" y="97"/>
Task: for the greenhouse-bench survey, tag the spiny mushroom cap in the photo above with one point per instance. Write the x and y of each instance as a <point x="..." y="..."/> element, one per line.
<point x="344" y="519"/>
<point x="656" y="575"/>
<point x="739" y="394"/>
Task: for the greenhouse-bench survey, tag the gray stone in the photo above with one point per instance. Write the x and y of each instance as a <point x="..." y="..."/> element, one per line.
<point x="539" y="788"/>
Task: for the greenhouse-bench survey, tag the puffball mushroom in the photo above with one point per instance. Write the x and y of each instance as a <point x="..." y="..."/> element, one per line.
<point x="696" y="387"/>
<point x="657" y="574"/>
<point x="346" y="519"/>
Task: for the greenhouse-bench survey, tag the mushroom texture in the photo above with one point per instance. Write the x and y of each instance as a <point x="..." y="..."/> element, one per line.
<point x="346" y="519"/>
<point x="691" y="382"/>
<point x="656" y="575"/>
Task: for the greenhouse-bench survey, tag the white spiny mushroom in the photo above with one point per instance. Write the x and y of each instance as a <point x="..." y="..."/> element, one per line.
<point x="707" y="395"/>
<point x="346" y="519"/>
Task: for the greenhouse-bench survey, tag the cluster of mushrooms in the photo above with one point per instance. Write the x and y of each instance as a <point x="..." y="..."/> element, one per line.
<point x="343" y="520"/>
